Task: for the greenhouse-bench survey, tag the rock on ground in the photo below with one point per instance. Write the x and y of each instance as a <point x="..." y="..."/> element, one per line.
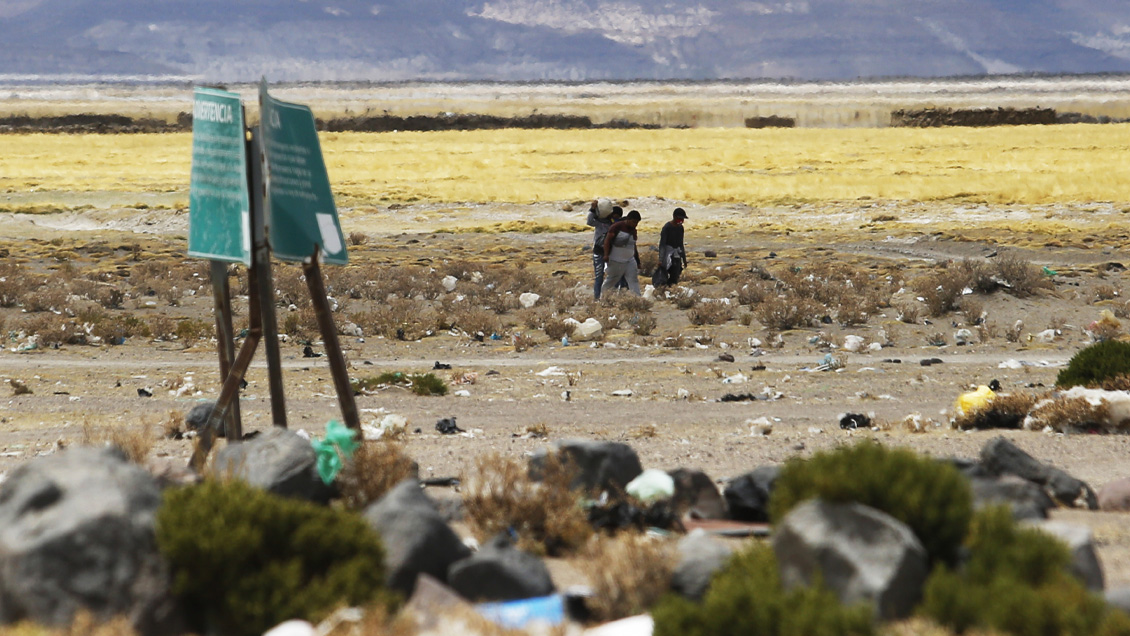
<point x="1085" y="564"/>
<point x="747" y="496"/>
<point x="416" y="538"/>
<point x="500" y="572"/>
<point x="278" y="461"/>
<point x="1001" y="457"/>
<point x="77" y="533"/>
<point x="861" y="553"/>
<point x="600" y="465"/>
<point x="700" y="557"/>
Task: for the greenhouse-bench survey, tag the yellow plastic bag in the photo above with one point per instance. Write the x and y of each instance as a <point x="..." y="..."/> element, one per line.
<point x="973" y="400"/>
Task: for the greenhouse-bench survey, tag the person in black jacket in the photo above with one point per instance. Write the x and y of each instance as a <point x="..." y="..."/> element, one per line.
<point x="672" y="252"/>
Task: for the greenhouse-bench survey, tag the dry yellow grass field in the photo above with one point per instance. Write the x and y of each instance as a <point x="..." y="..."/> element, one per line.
<point x="1003" y="165"/>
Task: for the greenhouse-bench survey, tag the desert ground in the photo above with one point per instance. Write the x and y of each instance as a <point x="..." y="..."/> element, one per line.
<point x="657" y="388"/>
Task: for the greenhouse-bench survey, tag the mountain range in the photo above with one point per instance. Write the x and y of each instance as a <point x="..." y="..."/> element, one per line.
<point x="534" y="40"/>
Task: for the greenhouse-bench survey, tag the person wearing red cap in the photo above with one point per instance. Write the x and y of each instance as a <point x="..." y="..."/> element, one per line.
<point x="672" y="252"/>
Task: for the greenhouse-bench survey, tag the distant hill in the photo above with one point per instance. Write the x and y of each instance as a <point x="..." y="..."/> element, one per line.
<point x="240" y="40"/>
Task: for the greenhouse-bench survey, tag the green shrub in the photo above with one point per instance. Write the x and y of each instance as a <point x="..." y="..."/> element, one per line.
<point x="418" y="383"/>
<point x="1096" y="363"/>
<point x="930" y="496"/>
<point x="746" y="597"/>
<point x="1016" y="581"/>
<point x="244" y="560"/>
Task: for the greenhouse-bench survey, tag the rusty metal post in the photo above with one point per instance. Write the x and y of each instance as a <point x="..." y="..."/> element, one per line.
<point x="221" y="295"/>
<point x="334" y="355"/>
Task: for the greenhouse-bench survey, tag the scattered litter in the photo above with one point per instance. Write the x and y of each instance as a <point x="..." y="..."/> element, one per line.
<point x="875" y="347"/>
<point x="853" y="421"/>
<point x="1047" y="336"/>
<point x="566" y="396"/>
<point x="493" y="372"/>
<point x="440" y="366"/>
<point x="1017" y="364"/>
<point x="853" y="343"/>
<point x="759" y="427"/>
<point x="683" y="394"/>
<point x="390" y="424"/>
<point x="449" y="283"/>
<point x="734" y="379"/>
<point x="725" y="357"/>
<point x="962" y="337"/>
<point x="829" y="363"/>
<point x="930" y="361"/>
<point x="144" y="392"/>
<point x="462" y="393"/>
<point x="1049" y="271"/>
<point x="308" y="352"/>
<point x="548" y="372"/>
<point x="332" y="451"/>
<point x="469" y="377"/>
<point x="739" y="397"/>
<point x="973" y="400"/>
<point x="545" y="610"/>
<point x="447" y="426"/>
<point x="652" y="484"/>
<point x="815" y="430"/>
<point x="623" y="393"/>
<point x="528" y="300"/>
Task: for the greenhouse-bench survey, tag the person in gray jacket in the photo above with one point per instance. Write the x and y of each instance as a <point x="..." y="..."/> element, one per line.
<point x="602" y="214"/>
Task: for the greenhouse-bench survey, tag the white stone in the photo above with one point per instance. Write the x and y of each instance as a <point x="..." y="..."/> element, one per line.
<point x="449" y="283"/>
<point x="683" y="394"/>
<point x="759" y="427"/>
<point x="462" y="393"/>
<point x="528" y="299"/>
<point x="623" y="393"/>
<point x="853" y="343"/>
<point x="874" y="346"/>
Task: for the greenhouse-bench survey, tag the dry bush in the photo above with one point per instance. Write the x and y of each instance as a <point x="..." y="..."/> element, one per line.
<point x="649" y="261"/>
<point x="1119" y="382"/>
<point x="972" y="310"/>
<point x="135" y="443"/>
<point x="47" y="298"/>
<point x="358" y="238"/>
<point x="302" y="325"/>
<point x="942" y="289"/>
<point x="854" y="309"/>
<point x="628" y="572"/>
<point x="375" y="468"/>
<point x="710" y="313"/>
<point x="643" y="431"/>
<point x="84" y="624"/>
<point x="399" y="318"/>
<point x="556" y="328"/>
<point x="114" y="329"/>
<point x="15" y="284"/>
<point x="162" y="327"/>
<point x="290" y="286"/>
<point x="908" y="314"/>
<point x="1022" y="277"/>
<point x="534" y="317"/>
<point x="522" y="342"/>
<point x="547" y="515"/>
<point x="1068" y="415"/>
<point x="626" y="300"/>
<point x="754" y="292"/>
<point x="54" y="330"/>
<point x="1105" y="292"/>
<point x="1004" y="411"/>
<point x="608" y="316"/>
<point x="1013" y="333"/>
<point x="784" y="313"/>
<point x="685" y="299"/>
<point x="980" y="276"/>
<point x="460" y="269"/>
<point x="474" y="320"/>
<point x="643" y="324"/>
<point x="191" y="331"/>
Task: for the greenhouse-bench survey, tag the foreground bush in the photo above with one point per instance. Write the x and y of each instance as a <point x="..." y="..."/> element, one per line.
<point x="746" y="597"/>
<point x="1016" y="581"/>
<point x="1095" y="364"/>
<point x="244" y="560"/>
<point x="930" y="496"/>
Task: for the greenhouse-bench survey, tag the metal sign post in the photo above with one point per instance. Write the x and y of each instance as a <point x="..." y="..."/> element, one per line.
<point x="302" y="221"/>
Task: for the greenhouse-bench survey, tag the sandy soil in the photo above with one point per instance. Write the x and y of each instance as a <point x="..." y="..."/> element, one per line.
<point x="98" y="386"/>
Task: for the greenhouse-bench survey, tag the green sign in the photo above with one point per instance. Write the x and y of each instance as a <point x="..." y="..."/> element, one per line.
<point x="300" y="206"/>
<point x="219" y="208"/>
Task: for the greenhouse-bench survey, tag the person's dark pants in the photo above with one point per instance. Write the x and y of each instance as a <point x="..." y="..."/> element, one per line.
<point x="674" y="271"/>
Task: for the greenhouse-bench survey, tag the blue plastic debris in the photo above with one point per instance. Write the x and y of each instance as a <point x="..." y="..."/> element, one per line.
<point x="518" y="614"/>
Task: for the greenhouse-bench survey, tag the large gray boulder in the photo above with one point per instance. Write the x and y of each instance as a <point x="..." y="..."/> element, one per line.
<point x="1001" y="457"/>
<point x="278" y="461"/>
<point x="861" y="554"/>
<point x="416" y="538"/>
<point x="600" y="465"/>
<point x="1026" y="499"/>
<point x="1115" y="496"/>
<point x="1085" y="564"/>
<point x="700" y="558"/>
<point x="77" y="533"/>
<point x="696" y="495"/>
<point x="747" y="496"/>
<point x="500" y="572"/>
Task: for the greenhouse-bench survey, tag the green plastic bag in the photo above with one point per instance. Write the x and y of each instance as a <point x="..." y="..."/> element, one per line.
<point x="332" y="451"/>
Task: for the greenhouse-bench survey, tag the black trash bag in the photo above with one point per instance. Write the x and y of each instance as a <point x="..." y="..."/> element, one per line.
<point x="447" y="426"/>
<point x="852" y="421"/>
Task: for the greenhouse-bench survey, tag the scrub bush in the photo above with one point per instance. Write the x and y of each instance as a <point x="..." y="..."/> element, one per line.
<point x="1094" y="364"/>
<point x="1016" y="581"/>
<point x="930" y="496"/>
<point x="244" y="560"/>
<point x="746" y="597"/>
